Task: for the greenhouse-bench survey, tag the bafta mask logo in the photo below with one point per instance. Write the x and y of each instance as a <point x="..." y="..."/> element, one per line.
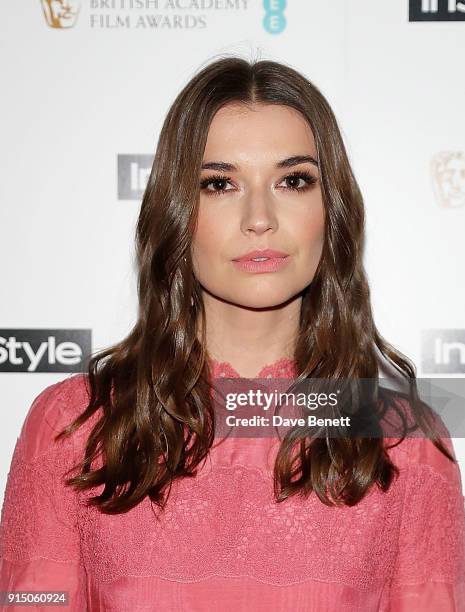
<point x="61" y="13"/>
<point x="448" y="174"/>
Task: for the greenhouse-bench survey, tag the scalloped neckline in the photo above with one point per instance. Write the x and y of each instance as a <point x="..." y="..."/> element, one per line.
<point x="283" y="367"/>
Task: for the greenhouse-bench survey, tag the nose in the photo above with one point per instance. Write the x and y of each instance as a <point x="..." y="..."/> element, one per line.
<point x="259" y="215"/>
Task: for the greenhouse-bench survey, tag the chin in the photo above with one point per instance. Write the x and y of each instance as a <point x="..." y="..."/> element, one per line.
<point x="254" y="293"/>
<point x="266" y="300"/>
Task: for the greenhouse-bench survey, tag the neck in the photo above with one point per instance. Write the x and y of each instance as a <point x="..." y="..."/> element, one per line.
<point x="249" y="338"/>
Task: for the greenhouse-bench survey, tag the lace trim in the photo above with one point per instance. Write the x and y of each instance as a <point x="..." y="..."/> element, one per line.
<point x="282" y="368"/>
<point x="39" y="513"/>
<point x="231" y="526"/>
<point x="431" y="544"/>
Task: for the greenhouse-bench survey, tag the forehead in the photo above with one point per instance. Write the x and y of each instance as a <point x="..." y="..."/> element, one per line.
<point x="268" y="130"/>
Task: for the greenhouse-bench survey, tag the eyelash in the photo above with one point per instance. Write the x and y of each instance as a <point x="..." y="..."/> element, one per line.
<point x="311" y="180"/>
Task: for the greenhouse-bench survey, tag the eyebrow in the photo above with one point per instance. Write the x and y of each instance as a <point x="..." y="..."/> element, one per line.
<point x="284" y="163"/>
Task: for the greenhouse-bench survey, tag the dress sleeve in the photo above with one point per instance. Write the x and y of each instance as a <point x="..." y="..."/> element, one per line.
<point x="39" y="540"/>
<point x="429" y="574"/>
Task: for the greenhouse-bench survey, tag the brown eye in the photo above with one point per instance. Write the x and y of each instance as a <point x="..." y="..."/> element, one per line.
<point x="294" y="181"/>
<point x="219" y="183"/>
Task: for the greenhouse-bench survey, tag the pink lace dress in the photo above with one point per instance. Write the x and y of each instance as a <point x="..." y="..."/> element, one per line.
<point x="223" y="543"/>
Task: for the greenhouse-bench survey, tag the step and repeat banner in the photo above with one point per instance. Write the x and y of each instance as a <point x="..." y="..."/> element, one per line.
<point x="86" y="85"/>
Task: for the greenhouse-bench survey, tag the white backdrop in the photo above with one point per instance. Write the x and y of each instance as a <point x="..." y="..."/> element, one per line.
<point x="76" y="97"/>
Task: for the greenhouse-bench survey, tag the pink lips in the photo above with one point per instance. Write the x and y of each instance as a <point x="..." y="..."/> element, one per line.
<point x="275" y="260"/>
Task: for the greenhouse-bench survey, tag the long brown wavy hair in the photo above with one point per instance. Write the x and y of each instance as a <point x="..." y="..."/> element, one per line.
<point x="157" y="422"/>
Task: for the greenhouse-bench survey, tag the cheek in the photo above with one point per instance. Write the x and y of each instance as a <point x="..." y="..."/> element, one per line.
<point x="208" y="241"/>
<point x="309" y="232"/>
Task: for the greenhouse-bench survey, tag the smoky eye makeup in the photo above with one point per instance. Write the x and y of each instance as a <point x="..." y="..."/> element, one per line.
<point x="293" y="180"/>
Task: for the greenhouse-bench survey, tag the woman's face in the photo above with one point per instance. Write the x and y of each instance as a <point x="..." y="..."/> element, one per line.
<point x="250" y="200"/>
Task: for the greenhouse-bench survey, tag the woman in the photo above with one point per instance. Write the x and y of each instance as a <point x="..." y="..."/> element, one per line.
<point x="156" y="515"/>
